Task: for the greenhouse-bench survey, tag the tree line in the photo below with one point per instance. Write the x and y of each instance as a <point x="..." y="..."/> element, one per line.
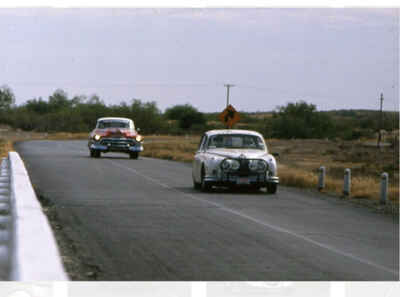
<point x="79" y="114"/>
<point x="299" y="119"/>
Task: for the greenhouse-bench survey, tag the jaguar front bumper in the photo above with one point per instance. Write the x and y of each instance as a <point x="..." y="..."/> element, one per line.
<point x="259" y="180"/>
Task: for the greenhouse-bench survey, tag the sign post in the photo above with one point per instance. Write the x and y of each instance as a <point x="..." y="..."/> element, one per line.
<point x="229" y="116"/>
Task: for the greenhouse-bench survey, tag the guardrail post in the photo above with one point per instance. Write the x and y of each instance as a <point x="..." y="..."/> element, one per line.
<point x="384" y="187"/>
<point x="4" y="167"/>
<point x="4" y="181"/>
<point x="321" y="178"/>
<point x="347" y="182"/>
<point x="5" y="227"/>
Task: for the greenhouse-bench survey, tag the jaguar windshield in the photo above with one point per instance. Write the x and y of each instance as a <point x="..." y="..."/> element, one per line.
<point x="236" y="141"/>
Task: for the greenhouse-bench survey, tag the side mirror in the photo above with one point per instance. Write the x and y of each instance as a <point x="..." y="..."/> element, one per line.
<point x="137" y="129"/>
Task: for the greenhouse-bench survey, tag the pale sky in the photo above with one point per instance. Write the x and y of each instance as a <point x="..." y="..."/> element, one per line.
<point x="334" y="58"/>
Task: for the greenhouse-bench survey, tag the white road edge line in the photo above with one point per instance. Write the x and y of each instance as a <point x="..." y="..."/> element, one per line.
<point x="254" y="220"/>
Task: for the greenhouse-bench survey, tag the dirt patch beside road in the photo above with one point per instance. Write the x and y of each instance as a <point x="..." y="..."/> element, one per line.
<point x="77" y="266"/>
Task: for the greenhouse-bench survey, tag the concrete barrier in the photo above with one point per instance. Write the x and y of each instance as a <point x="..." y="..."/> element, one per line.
<point x="34" y="252"/>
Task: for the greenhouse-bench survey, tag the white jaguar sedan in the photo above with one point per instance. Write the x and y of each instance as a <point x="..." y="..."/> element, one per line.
<point x="234" y="158"/>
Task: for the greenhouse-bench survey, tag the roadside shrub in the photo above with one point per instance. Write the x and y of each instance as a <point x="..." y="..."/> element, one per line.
<point x="186" y="115"/>
<point x="301" y="120"/>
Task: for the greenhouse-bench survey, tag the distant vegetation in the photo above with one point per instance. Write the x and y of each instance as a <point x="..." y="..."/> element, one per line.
<point x="299" y="120"/>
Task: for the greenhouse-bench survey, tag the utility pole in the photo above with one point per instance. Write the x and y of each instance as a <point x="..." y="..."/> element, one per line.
<point x="380" y="124"/>
<point x="227" y="92"/>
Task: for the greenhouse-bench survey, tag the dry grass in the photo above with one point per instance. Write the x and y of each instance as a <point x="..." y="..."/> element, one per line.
<point x="300" y="159"/>
<point x="8" y="136"/>
<point x="177" y="148"/>
<point x="5" y="147"/>
<point x="66" y="136"/>
<point x="361" y="187"/>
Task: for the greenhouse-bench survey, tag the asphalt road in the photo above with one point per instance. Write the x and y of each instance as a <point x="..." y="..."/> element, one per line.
<point x="142" y="220"/>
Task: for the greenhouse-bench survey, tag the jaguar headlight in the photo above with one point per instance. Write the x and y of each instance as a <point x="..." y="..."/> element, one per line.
<point x="253" y="165"/>
<point x="229" y="164"/>
<point x="258" y="165"/>
<point x="235" y="165"/>
<point x="262" y="165"/>
<point x="226" y="165"/>
<point x="97" y="137"/>
<point x="139" y="138"/>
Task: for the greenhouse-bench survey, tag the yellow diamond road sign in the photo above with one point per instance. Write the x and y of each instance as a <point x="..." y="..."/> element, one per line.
<point x="229" y="116"/>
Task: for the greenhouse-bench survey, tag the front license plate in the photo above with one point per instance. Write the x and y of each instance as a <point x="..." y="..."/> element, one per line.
<point x="243" y="181"/>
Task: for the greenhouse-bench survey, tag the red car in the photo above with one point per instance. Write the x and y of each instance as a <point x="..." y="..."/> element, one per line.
<point x="115" y="135"/>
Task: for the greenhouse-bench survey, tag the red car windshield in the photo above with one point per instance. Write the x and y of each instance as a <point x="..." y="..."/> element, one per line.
<point x="112" y="124"/>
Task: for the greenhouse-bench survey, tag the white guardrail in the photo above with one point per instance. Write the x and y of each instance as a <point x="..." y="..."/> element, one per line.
<point x="28" y="250"/>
